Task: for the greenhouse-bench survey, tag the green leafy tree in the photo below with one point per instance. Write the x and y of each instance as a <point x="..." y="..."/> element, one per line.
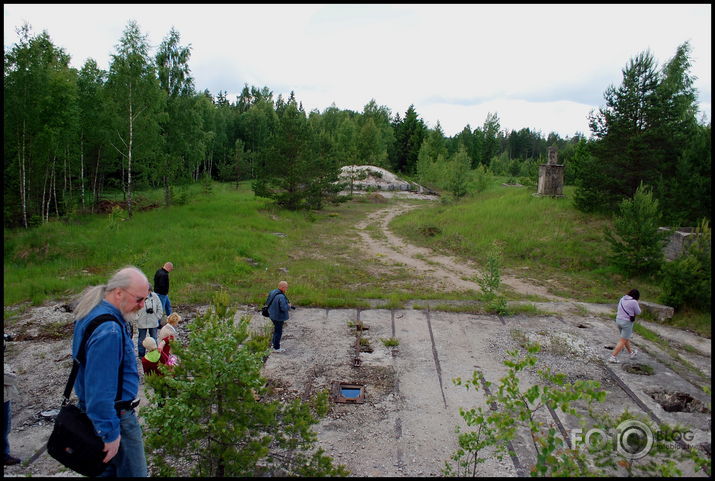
<point x="687" y="280"/>
<point x="459" y="176"/>
<point x="137" y="103"/>
<point x="211" y="413"/>
<point x="490" y="140"/>
<point x="40" y="126"/>
<point x="691" y="197"/>
<point x="489" y="280"/>
<point x="376" y="134"/>
<point x="182" y="127"/>
<point x="636" y="243"/>
<point x="94" y="134"/>
<point x="294" y="172"/>
<point x="644" y="128"/>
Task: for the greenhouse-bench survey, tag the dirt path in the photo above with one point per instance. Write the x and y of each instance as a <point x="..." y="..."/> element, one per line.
<point x="406" y="426"/>
<point x="450" y="273"/>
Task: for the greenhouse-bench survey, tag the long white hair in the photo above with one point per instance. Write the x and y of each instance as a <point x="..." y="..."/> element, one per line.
<point x="93" y="295"/>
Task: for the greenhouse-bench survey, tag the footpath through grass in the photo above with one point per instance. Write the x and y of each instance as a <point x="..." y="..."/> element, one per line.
<point x="544" y="239"/>
<point x="227" y="239"/>
<point x="230" y="240"/>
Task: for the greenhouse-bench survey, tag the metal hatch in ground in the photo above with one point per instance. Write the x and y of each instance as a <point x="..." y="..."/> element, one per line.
<point x="342" y="392"/>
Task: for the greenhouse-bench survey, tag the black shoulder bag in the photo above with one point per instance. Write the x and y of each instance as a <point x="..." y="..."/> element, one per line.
<point x="74" y="441"/>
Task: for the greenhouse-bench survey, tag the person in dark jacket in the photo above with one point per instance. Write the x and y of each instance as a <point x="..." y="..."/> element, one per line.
<point x="161" y="286"/>
<point x="278" y="307"/>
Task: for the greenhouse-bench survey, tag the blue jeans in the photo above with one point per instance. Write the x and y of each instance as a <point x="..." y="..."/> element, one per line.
<point x="277" y="333"/>
<point x="165" y="303"/>
<point x="130" y="461"/>
<point x="6" y="413"/>
<point x="140" y="339"/>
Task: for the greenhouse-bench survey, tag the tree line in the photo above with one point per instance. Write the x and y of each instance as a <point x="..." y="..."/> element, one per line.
<point x="72" y="136"/>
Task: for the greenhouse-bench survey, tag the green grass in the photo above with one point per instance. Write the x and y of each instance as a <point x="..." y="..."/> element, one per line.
<point x="542" y="238"/>
<point x="391" y="342"/>
<point x="654" y="337"/>
<point x="230" y="240"/>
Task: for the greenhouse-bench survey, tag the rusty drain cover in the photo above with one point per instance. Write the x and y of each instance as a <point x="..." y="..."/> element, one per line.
<point x="342" y="392"/>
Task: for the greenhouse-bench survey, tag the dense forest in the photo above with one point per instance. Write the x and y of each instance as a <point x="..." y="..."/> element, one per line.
<point x="73" y="136"/>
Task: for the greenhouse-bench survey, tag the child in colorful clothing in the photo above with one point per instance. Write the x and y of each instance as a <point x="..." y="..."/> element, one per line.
<point x="153" y="356"/>
<point x="167" y="335"/>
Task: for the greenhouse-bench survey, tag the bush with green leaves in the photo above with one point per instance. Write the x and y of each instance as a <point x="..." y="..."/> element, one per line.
<point x="514" y="408"/>
<point x="481" y="178"/>
<point x="687" y="280"/>
<point x="636" y="243"/>
<point x="489" y="281"/>
<point x="209" y="416"/>
<point x="517" y="408"/>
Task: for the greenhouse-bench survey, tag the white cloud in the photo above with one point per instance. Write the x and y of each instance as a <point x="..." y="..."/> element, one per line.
<point x="538" y="66"/>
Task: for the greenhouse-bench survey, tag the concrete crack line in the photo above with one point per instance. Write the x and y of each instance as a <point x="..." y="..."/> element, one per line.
<point x="436" y="357"/>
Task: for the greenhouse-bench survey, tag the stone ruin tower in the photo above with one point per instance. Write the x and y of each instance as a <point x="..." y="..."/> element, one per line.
<point x="551" y="176"/>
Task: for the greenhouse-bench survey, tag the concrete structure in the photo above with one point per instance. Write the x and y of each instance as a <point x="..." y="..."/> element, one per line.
<point x="551" y="176"/>
<point x="678" y="242"/>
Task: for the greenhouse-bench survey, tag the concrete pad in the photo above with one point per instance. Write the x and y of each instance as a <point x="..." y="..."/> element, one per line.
<point x="406" y="427"/>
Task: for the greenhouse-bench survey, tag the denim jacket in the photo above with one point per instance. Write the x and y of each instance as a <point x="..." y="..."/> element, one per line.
<point x="279" y="308"/>
<point x="96" y="383"/>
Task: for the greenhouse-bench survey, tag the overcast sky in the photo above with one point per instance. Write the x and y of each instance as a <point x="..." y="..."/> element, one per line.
<point x="538" y="66"/>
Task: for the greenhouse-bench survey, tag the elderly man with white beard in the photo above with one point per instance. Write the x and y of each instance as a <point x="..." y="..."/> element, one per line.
<point x="109" y="349"/>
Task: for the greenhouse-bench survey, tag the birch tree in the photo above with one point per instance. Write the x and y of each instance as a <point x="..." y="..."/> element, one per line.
<point x="137" y="103"/>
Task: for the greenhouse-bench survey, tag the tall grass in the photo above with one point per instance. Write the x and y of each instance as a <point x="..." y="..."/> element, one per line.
<point x="211" y="241"/>
<point x="230" y="240"/>
<point x="226" y="240"/>
<point x="542" y="238"/>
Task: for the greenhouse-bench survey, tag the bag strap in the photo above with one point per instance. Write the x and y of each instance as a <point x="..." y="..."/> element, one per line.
<point x="268" y="304"/>
<point x="624" y="307"/>
<point x="82" y="356"/>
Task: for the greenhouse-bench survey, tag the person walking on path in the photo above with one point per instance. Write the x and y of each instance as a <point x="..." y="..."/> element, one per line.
<point x="109" y="351"/>
<point x="278" y="307"/>
<point x="161" y="286"/>
<point x="626" y="313"/>
<point x="148" y="320"/>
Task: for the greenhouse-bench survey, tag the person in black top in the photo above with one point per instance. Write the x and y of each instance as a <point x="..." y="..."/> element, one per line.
<point x="161" y="286"/>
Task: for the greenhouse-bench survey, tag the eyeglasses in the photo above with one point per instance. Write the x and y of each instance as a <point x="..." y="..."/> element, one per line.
<point x="139" y="299"/>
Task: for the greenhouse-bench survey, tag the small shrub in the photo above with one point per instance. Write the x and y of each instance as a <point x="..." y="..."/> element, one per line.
<point x="391" y="342"/>
<point x="636" y="242"/>
<point x="490" y="279"/>
<point x="116" y="216"/>
<point x="429" y="230"/>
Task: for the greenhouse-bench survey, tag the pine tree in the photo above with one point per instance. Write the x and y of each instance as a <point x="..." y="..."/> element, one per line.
<point x="211" y="413"/>
<point x="636" y="242"/>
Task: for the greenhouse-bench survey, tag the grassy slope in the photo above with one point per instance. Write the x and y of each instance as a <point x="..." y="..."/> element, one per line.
<point x="542" y="238"/>
<point x="228" y="240"/>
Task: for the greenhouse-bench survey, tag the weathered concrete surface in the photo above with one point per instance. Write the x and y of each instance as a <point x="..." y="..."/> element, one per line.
<point x="658" y="311"/>
<point x="406" y="426"/>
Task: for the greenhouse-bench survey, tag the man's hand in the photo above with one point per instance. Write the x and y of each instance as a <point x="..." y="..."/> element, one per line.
<point x="111" y="449"/>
